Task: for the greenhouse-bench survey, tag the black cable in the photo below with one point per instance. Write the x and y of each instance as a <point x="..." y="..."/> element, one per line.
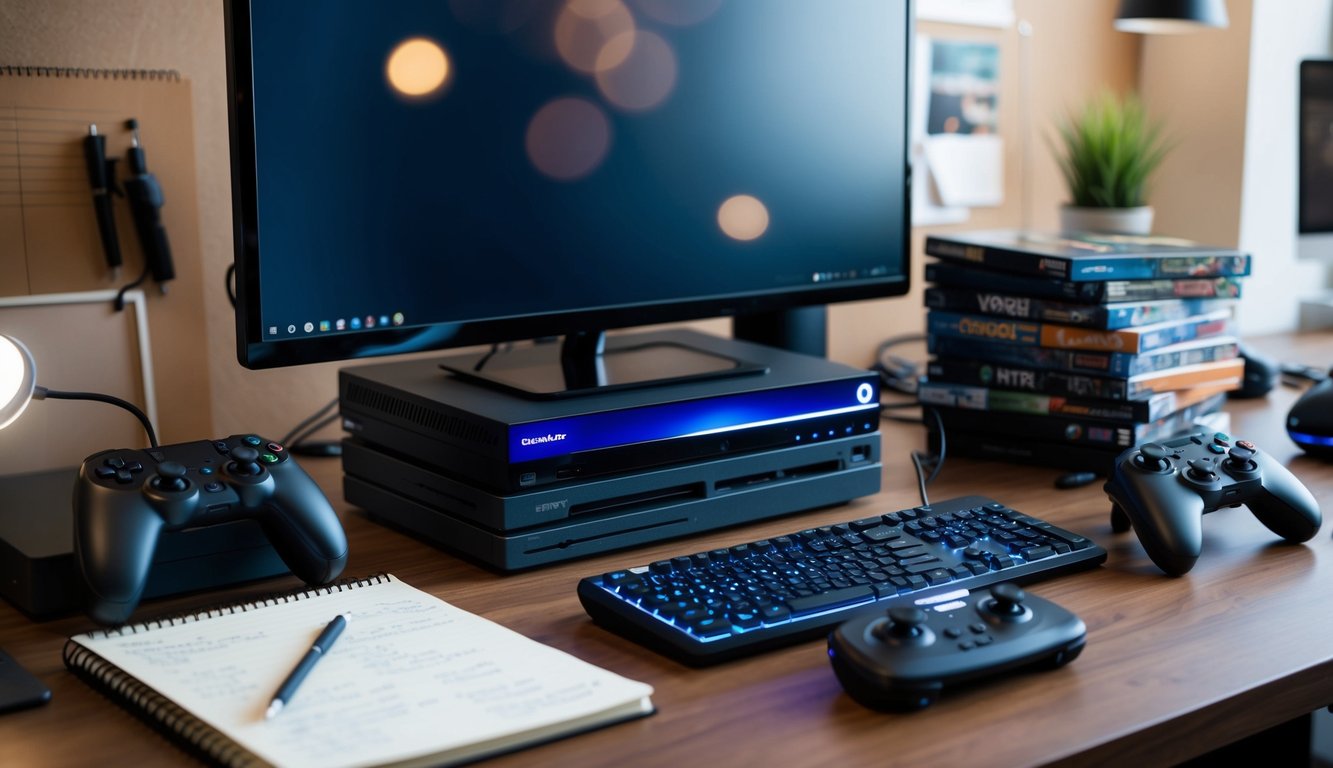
<point x="229" y="281"/>
<point x="920" y="459"/>
<point x="119" y="302"/>
<point x="897" y="373"/>
<point x="41" y="393"/>
<point x="300" y="440"/>
<point x="289" y="439"/>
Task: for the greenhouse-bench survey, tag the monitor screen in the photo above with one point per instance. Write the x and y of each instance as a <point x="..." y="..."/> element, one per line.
<point x="1315" y="147"/>
<point x="422" y="174"/>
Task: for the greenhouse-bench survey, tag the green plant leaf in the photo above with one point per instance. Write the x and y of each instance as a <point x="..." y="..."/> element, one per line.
<point x="1108" y="150"/>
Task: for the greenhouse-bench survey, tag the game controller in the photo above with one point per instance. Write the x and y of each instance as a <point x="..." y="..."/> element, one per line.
<point x="1163" y="490"/>
<point x="124" y="499"/>
<point x="901" y="660"/>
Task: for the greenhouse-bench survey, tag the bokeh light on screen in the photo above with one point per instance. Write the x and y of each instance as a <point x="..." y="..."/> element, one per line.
<point x="646" y="74"/>
<point x="678" y="12"/>
<point x="584" y="27"/>
<point x="568" y="138"/>
<point x="742" y="217"/>
<point x="417" y="68"/>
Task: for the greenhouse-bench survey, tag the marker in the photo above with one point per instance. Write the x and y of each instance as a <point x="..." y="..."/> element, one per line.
<point x="321" y="646"/>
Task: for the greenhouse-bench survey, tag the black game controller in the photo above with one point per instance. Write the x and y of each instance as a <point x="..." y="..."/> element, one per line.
<point x="901" y="660"/>
<point x="1163" y="490"/>
<point x="124" y="499"/>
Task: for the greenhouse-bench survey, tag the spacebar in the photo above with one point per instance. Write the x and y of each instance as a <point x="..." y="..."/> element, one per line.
<point x="804" y="606"/>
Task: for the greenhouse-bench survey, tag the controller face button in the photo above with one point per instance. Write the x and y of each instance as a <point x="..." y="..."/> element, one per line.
<point x="252" y="441"/>
<point x="1221" y="437"/>
<point x="221" y="446"/>
<point x="1247" y="445"/>
<point x="1215" y="448"/>
<point x="275" y="448"/>
<point x="214" y="487"/>
<point x="268" y="458"/>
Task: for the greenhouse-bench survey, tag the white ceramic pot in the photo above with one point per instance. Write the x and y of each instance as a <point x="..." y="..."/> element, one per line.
<point x="1119" y="221"/>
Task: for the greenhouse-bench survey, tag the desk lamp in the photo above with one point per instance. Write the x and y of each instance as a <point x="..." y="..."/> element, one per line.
<point x="1170" y="16"/>
<point x="18" y="386"/>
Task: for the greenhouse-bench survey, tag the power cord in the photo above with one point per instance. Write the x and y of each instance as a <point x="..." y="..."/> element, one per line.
<point x="42" y="393"/>
<point x="897" y="373"/>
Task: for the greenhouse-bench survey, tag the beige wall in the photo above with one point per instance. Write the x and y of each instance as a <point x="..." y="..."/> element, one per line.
<point x="1073" y="51"/>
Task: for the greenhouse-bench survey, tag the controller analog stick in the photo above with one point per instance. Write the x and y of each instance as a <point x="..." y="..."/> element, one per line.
<point x="1008" y="600"/>
<point x="1240" y="457"/>
<point x="1202" y="470"/>
<point x="171" y="477"/>
<point x="245" y="461"/>
<point x="906" y="623"/>
<point x="1154" y="457"/>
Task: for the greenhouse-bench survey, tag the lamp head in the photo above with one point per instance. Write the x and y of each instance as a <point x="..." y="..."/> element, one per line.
<point x="18" y="375"/>
<point x="1170" y="16"/>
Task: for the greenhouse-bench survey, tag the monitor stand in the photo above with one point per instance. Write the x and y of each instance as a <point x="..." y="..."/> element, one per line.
<point x="586" y="362"/>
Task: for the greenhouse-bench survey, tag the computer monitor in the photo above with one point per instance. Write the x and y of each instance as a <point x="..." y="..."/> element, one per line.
<point x="411" y="175"/>
<point x="1314" y="224"/>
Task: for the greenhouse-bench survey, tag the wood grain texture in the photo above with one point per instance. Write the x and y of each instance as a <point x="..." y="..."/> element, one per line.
<point x="1173" y="666"/>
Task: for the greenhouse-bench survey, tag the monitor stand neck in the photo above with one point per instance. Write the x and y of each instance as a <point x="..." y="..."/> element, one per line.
<point x="588" y="362"/>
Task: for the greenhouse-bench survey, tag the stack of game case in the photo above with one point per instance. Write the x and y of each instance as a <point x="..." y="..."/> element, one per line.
<point x="1065" y="350"/>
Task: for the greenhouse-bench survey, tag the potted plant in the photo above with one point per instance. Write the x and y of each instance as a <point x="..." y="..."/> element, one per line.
<point x="1107" y="152"/>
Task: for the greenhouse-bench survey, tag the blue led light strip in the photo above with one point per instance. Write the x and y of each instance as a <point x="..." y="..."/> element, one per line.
<point x="1301" y="437"/>
<point x="692" y="418"/>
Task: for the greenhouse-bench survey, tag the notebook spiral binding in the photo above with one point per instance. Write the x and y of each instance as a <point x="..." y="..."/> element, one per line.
<point x="88" y="73"/>
<point x="275" y="598"/>
<point x="165" y="715"/>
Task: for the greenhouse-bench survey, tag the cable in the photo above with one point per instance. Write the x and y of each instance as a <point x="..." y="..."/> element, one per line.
<point x="301" y="428"/>
<point x="41" y="393"/>
<point x="897" y="373"/>
<point x="119" y="302"/>
<point x="229" y="282"/>
<point x="920" y="459"/>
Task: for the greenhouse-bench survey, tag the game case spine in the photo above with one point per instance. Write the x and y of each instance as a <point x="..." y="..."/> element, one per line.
<point x="1099" y="316"/>
<point x="1132" y="340"/>
<point x="952" y="275"/>
<point x="1116" y="364"/>
<point x="1068" y="384"/>
<point x="1011" y="401"/>
<point x="1090" y="266"/>
<point x="1100" y="433"/>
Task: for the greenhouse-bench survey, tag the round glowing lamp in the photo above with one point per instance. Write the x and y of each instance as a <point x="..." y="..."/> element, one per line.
<point x="18" y="379"/>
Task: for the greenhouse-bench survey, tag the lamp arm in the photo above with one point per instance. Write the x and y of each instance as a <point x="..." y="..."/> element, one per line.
<point x="42" y="393"/>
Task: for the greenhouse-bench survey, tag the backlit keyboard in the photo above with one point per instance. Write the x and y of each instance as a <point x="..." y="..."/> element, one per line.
<point x="712" y="606"/>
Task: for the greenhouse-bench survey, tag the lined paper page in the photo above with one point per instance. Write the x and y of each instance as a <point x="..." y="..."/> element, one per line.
<point x="410" y="676"/>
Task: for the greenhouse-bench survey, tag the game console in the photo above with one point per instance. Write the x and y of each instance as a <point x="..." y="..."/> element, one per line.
<point x="545" y="525"/>
<point x="511" y="444"/>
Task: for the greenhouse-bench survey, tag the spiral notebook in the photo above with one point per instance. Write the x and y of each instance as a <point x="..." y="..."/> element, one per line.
<point x="412" y="680"/>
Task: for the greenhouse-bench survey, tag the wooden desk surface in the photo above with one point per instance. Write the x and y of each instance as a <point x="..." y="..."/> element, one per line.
<point x="1173" y="666"/>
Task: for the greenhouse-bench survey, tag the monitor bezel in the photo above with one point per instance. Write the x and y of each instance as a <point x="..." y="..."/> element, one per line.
<point x="254" y="351"/>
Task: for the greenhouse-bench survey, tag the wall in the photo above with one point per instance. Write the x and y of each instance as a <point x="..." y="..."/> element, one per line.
<point x="1229" y="97"/>
<point x="1073" y="51"/>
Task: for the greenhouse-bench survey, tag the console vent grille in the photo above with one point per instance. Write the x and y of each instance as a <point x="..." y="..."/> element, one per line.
<point x="387" y="405"/>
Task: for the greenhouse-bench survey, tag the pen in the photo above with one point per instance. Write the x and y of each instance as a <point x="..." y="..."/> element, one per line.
<point x="101" y="175"/>
<point x="321" y="646"/>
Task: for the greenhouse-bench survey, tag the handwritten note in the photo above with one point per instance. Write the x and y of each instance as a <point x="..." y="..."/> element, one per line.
<point x="411" y="676"/>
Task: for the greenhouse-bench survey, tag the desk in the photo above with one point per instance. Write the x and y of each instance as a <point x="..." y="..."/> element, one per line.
<point x="1172" y="667"/>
